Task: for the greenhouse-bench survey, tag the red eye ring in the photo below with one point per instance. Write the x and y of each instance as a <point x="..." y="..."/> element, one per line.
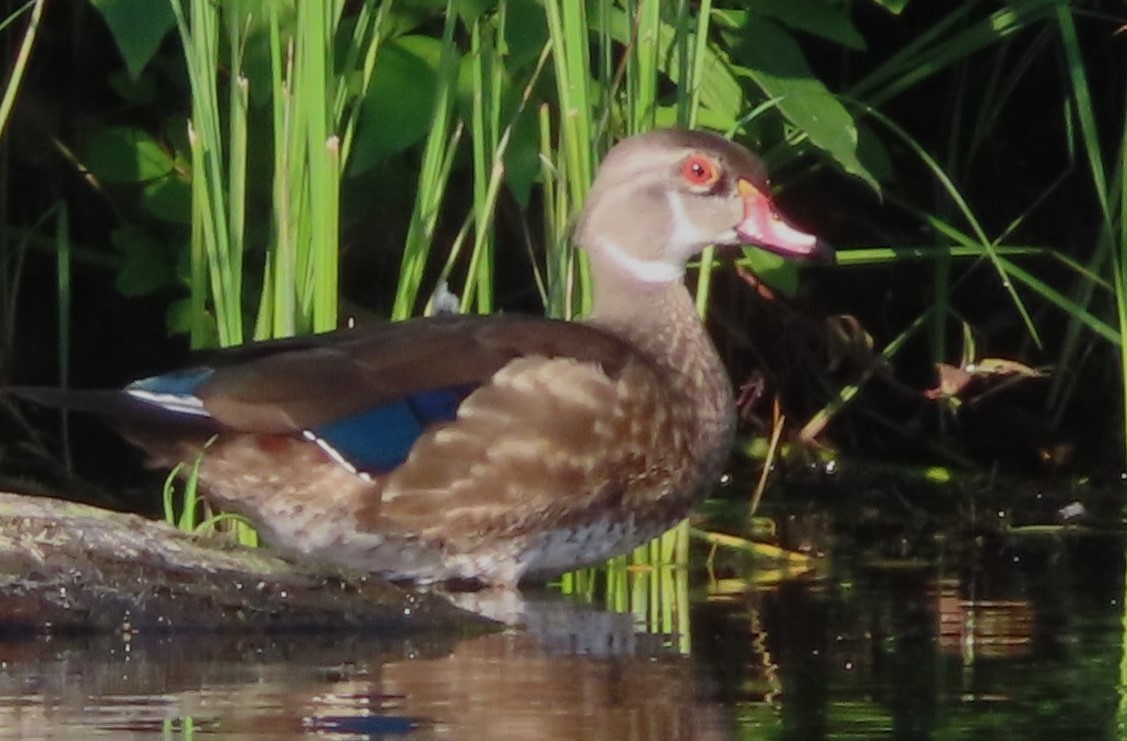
<point x="700" y="171"/>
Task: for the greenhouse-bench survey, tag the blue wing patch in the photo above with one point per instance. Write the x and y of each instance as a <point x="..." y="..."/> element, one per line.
<point x="174" y="392"/>
<point x="377" y="440"/>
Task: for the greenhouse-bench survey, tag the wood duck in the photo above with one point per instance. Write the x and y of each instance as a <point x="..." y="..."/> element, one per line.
<point x="488" y="448"/>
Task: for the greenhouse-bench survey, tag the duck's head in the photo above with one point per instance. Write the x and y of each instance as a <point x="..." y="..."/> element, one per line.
<point x="660" y="198"/>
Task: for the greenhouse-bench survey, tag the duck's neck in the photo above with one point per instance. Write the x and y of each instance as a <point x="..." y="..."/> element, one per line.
<point x="661" y="320"/>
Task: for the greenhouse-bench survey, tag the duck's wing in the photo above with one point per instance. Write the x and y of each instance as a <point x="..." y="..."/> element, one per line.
<point x="366" y="395"/>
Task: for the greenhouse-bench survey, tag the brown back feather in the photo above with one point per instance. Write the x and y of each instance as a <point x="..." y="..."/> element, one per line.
<point x="549" y="439"/>
<point x="349" y="371"/>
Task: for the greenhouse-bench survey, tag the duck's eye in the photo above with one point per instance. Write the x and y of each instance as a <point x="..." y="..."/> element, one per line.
<point x="700" y="171"/>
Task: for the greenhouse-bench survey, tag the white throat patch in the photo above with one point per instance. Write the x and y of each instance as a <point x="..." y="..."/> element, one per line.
<point x="686" y="239"/>
<point x="647" y="271"/>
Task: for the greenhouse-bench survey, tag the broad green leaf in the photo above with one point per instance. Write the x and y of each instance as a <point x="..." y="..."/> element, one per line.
<point x="896" y="7"/>
<point x="780" y="274"/>
<point x="522" y="159"/>
<point x="873" y="153"/>
<point x="666" y="116"/>
<point x="126" y="155"/>
<point x="471" y="10"/>
<point x="137" y="91"/>
<point x="525" y="33"/>
<point x="409" y="16"/>
<point x="775" y="63"/>
<point x="180" y="318"/>
<point x="147" y="266"/>
<point x="256" y="13"/>
<point x="253" y="18"/>
<point x="138" y="27"/>
<point x="400" y="100"/>
<point x="169" y="198"/>
<point x="720" y="91"/>
<point x="522" y="156"/>
<point x="816" y="17"/>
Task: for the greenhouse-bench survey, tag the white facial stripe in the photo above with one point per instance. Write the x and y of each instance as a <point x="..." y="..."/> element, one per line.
<point x="647" y="271"/>
<point x="686" y="235"/>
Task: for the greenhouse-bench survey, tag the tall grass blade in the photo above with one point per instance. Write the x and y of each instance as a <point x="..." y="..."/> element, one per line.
<point x="313" y="62"/>
<point x="211" y="244"/>
<point x="568" y="33"/>
<point x="438" y="157"/>
<point x="19" y="66"/>
<point x="1105" y="252"/>
<point x="963" y="208"/>
<point x="847" y="394"/>
<point x="63" y="262"/>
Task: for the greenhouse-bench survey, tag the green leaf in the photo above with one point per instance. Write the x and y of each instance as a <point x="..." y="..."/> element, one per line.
<point x="126" y="155"/>
<point x="135" y="91"/>
<point x="169" y="198"/>
<point x="257" y="13"/>
<point x="253" y="18"/>
<point x="138" y="27"/>
<point x="666" y="116"/>
<point x="525" y="32"/>
<point x="179" y="320"/>
<point x="471" y="10"/>
<point x="400" y="100"/>
<point x="873" y="153"/>
<point x="147" y="267"/>
<point x="816" y="17"/>
<point x="721" y="95"/>
<point x="775" y="63"/>
<point x="893" y="6"/>
<point x="522" y="159"/>
<point x="178" y="317"/>
<point x="780" y="274"/>
<point x="409" y="16"/>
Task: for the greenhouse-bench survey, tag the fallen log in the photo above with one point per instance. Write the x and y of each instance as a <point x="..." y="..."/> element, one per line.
<point x="67" y="567"/>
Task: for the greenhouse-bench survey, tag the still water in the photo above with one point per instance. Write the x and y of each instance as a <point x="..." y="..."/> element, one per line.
<point x="1003" y="635"/>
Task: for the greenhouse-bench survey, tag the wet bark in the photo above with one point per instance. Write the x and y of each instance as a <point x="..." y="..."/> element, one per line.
<point x="67" y="567"/>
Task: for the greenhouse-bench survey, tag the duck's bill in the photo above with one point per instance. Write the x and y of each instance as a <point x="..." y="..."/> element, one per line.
<point x="763" y="227"/>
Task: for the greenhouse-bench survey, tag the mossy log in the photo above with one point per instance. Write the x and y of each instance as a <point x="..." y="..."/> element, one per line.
<point x="67" y="567"/>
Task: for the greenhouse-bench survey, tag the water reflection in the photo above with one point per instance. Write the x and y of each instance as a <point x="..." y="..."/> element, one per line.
<point x="560" y="679"/>
<point x="982" y="628"/>
<point x="1023" y="641"/>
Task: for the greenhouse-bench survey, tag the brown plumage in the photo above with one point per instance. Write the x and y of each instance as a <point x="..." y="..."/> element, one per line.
<point x="571" y="442"/>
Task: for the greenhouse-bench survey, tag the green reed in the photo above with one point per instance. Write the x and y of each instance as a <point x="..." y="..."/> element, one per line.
<point x="1105" y="270"/>
<point x="314" y="86"/>
<point x="10" y="258"/>
<point x="656" y="595"/>
<point x="19" y="65"/>
<point x="313" y="113"/>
